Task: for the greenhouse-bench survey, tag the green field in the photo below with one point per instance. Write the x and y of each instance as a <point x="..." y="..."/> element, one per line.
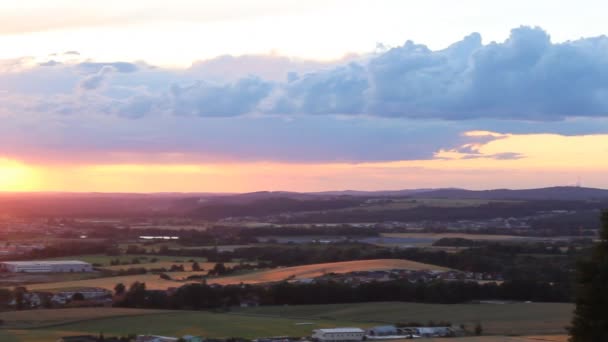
<point x="171" y="323"/>
<point x="502" y="319"/>
<point x="104" y="260"/>
<point x="497" y="319"/>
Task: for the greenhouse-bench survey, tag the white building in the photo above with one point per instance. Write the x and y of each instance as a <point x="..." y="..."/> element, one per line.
<point x="338" y="335"/>
<point x="46" y="266"/>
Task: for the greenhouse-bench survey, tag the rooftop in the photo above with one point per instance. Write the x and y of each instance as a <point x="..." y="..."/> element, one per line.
<point x="44" y="262"/>
<point x="342" y="330"/>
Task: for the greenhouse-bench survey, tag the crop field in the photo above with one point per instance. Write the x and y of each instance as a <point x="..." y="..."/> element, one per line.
<point x="520" y="322"/>
<point x="316" y="270"/>
<point x="153" y="282"/>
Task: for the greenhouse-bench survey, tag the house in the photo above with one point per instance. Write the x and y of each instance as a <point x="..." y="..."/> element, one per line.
<point x="90" y="294"/>
<point x="46" y="266"/>
<point x="338" y="335"/>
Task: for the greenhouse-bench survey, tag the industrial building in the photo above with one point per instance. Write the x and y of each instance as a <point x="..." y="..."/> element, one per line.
<point x="57" y="266"/>
<point x="338" y="335"/>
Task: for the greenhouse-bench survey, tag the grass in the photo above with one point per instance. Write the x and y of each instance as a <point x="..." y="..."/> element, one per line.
<point x="499" y="319"/>
<point x="104" y="260"/>
<point x="166" y="264"/>
<point x="539" y="321"/>
<point x="172" y="323"/>
<point x="39" y="318"/>
<point x="479" y="237"/>
<point x="315" y="270"/>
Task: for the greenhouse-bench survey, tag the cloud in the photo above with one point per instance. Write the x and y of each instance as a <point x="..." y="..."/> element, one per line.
<point x="524" y="78"/>
<point x="205" y="99"/>
<point x="123" y="67"/>
<point x="95" y="81"/>
<point x="403" y="103"/>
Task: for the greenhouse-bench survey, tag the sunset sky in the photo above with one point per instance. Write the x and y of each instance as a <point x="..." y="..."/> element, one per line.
<point x="238" y="96"/>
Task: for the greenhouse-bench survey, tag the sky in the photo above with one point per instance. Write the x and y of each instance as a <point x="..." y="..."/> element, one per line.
<point x="239" y="96"/>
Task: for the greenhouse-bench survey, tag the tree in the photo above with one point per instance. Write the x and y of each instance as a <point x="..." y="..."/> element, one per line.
<point x="219" y="269"/>
<point x="77" y="296"/>
<point x="119" y="289"/>
<point x="196" y="267"/>
<point x="590" y="322"/>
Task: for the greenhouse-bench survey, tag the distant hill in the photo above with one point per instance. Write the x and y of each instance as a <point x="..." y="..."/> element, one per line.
<point x="383" y="193"/>
<point x="570" y="193"/>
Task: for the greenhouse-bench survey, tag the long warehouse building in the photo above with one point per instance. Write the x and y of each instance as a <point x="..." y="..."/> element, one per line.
<point x="54" y="266"/>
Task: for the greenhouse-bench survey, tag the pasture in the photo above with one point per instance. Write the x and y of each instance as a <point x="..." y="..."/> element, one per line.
<point x="497" y="319"/>
<point x="520" y="322"/>
<point x="104" y="260"/>
<point x="168" y="323"/>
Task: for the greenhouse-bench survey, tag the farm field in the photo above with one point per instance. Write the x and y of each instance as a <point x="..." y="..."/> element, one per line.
<point x="104" y="260"/>
<point x="38" y="318"/>
<point x="153" y="282"/>
<point x="315" y="270"/>
<point x="497" y="319"/>
<point x="174" y="245"/>
<point x="478" y="237"/>
<point x="530" y="322"/>
<point x="205" y="266"/>
<point x="169" y="323"/>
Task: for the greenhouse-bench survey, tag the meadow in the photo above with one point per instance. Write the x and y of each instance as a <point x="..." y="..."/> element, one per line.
<point x="104" y="260"/>
<point x="497" y="319"/>
<point x="504" y="322"/>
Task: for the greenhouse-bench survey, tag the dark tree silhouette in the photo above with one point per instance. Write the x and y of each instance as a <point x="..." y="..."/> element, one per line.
<point x="78" y="296"/>
<point x="119" y="289"/>
<point x="590" y="322"/>
<point x="196" y="266"/>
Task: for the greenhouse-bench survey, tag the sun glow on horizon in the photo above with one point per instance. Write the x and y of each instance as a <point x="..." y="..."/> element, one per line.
<point x="15" y="176"/>
<point x="502" y="160"/>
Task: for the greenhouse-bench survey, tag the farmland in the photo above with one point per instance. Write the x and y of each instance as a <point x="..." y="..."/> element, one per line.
<point x="172" y="323"/>
<point x="542" y="320"/>
<point x="104" y="260"/>
<point x="497" y="319"/>
<point x="316" y="270"/>
<point x="153" y="281"/>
